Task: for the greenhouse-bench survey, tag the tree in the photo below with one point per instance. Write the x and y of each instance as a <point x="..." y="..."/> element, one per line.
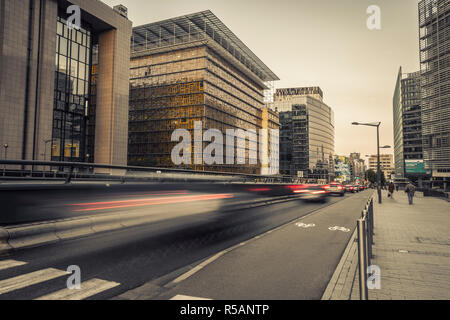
<point x="371" y="176"/>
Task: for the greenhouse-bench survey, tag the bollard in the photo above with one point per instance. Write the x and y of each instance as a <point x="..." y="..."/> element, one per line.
<point x="362" y="260"/>
<point x="367" y="239"/>
<point x="372" y="216"/>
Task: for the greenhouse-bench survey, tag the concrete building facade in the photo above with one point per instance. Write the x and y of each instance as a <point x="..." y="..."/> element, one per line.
<point x="386" y="164"/>
<point x="306" y="133"/>
<point x="45" y="81"/>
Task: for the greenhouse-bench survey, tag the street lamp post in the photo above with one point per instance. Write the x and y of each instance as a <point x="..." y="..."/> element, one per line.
<point x="6" y="157"/>
<point x="377" y="125"/>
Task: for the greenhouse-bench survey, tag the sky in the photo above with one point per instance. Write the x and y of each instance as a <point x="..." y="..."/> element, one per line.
<point x="323" y="43"/>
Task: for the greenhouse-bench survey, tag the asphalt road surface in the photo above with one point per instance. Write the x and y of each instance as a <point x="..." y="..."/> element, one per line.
<point x="115" y="262"/>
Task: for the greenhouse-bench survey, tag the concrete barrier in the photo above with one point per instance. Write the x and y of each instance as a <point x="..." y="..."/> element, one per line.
<point x="4" y="237"/>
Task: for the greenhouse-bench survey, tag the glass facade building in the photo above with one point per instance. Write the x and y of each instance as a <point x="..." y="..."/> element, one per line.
<point x="72" y="91"/>
<point x="407" y="109"/>
<point x="434" y="24"/>
<point x="306" y="133"/>
<point x="193" y="69"/>
<point x="55" y="103"/>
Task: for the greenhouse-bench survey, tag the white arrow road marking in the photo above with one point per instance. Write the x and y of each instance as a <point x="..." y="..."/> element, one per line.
<point x="30" y="279"/>
<point x="181" y="297"/>
<point x="6" y="264"/>
<point x="88" y="289"/>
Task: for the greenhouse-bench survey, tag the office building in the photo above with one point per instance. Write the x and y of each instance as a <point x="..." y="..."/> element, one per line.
<point x="46" y="81"/>
<point x="408" y="150"/>
<point x="386" y="165"/>
<point x="357" y="167"/>
<point x="434" y="24"/>
<point x="306" y="133"/>
<point x="192" y="69"/>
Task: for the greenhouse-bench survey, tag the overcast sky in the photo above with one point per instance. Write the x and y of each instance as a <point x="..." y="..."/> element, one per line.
<point x="319" y="43"/>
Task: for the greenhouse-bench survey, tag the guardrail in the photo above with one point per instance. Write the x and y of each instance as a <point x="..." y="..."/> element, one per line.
<point x="68" y="171"/>
<point x="365" y="228"/>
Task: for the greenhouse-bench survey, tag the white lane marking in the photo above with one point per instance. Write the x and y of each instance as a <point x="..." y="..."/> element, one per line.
<point x="88" y="289"/>
<point x="30" y="279"/>
<point x="304" y="225"/>
<point x="337" y="228"/>
<point x="6" y="264"/>
<point x="182" y="297"/>
<point x="198" y="268"/>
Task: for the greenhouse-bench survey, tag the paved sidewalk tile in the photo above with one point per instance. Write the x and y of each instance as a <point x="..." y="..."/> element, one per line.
<point x="412" y="249"/>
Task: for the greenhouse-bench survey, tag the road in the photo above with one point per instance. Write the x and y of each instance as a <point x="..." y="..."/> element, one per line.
<point x="113" y="263"/>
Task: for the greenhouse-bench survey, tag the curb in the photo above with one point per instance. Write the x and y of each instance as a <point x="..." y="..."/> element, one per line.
<point x="334" y="279"/>
<point x="4" y="237"/>
<point x="45" y="233"/>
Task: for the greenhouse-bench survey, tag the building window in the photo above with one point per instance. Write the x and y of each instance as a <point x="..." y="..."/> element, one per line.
<point x="71" y="97"/>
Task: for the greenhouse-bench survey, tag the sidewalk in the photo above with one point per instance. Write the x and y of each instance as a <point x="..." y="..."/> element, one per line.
<point x="412" y="249"/>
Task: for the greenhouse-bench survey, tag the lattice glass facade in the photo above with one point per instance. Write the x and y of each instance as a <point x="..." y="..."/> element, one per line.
<point x="72" y="77"/>
<point x="434" y="23"/>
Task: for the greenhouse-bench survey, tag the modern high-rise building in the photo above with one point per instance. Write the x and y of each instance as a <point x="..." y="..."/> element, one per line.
<point x="434" y="23"/>
<point x="357" y="167"/>
<point x="408" y="151"/>
<point x="46" y="80"/>
<point x="306" y="133"/>
<point x="187" y="70"/>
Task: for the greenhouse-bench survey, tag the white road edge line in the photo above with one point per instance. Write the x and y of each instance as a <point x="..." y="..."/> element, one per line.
<point x="182" y="297"/>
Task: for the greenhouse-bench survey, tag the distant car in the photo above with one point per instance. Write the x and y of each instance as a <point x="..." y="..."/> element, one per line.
<point x="335" y="188"/>
<point x="311" y="192"/>
<point x="350" y="188"/>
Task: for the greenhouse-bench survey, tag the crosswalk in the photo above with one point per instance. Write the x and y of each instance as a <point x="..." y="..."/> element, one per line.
<point x="87" y="289"/>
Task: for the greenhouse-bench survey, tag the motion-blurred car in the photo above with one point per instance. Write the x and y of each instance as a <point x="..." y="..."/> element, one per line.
<point x="335" y="188"/>
<point x="350" y="188"/>
<point x="311" y="192"/>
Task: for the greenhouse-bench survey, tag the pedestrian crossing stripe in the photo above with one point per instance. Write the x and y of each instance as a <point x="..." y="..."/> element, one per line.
<point x="88" y="289"/>
<point x="7" y="264"/>
<point x="29" y="279"/>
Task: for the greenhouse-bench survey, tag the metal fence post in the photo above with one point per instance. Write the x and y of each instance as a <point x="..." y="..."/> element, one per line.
<point x="362" y="259"/>
<point x="372" y="216"/>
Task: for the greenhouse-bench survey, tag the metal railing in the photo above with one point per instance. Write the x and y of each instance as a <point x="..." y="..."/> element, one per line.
<point x="365" y="228"/>
<point x="68" y="171"/>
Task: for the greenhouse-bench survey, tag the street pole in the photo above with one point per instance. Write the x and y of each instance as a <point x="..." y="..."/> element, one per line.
<point x="6" y="158"/>
<point x="378" y="165"/>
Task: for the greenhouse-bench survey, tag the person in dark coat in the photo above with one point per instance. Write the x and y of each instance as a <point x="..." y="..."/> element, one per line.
<point x="410" y="190"/>
<point x="391" y="189"/>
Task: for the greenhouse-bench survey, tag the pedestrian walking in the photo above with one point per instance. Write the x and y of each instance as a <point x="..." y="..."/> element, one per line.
<point x="391" y="190"/>
<point x="396" y="187"/>
<point x="410" y="190"/>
